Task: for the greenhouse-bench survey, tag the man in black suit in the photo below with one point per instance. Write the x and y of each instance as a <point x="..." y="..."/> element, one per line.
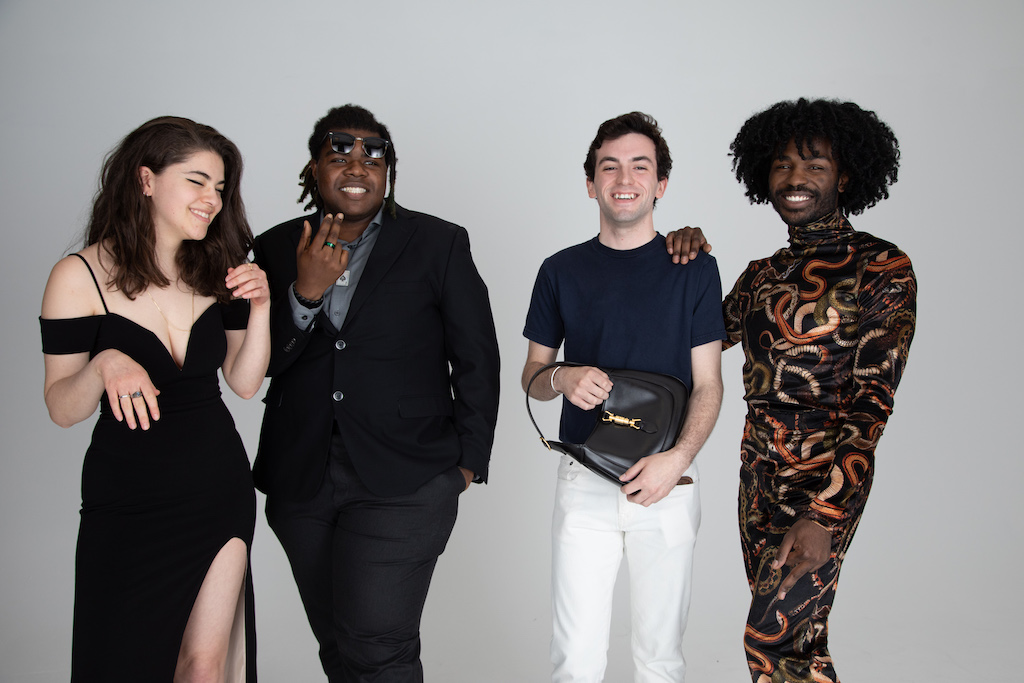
<point x="382" y="403"/>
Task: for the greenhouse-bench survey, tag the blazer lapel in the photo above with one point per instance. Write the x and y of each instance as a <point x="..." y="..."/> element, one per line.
<point x="394" y="235"/>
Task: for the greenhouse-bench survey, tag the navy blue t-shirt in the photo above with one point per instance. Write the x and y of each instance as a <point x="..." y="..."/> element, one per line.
<point x="624" y="309"/>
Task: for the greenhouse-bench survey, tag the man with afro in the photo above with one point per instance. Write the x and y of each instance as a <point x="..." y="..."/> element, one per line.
<point x="826" y="325"/>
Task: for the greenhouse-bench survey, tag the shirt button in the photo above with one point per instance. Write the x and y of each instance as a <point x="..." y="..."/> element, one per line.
<point x="340" y="344"/>
<point x="338" y="395"/>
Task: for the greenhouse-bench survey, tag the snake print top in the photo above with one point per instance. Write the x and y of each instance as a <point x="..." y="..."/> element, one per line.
<point x="826" y="326"/>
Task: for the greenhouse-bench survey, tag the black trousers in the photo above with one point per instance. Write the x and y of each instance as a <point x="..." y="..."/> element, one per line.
<point x="363" y="565"/>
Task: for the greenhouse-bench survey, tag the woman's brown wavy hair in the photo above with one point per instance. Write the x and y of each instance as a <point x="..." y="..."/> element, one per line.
<point x="122" y="223"/>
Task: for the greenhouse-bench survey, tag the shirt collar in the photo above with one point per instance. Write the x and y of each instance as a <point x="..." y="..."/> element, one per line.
<point x="371" y="229"/>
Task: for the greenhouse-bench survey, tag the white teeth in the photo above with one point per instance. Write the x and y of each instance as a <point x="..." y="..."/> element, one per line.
<point x="354" y="190"/>
<point x="623" y="196"/>
<point x="201" y="213"/>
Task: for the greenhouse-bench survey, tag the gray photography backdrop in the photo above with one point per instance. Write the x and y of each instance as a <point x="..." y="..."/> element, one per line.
<point x="492" y="107"/>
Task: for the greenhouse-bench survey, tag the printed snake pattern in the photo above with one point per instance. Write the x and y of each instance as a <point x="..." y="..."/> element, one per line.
<point x="826" y="326"/>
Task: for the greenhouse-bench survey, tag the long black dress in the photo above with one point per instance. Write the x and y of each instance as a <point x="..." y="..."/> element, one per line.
<point x="157" y="505"/>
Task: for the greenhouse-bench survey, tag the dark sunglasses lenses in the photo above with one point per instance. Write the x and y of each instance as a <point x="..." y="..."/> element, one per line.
<point x="343" y="143"/>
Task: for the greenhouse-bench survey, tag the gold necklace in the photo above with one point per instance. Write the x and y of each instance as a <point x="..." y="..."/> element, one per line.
<point x="162" y="315"/>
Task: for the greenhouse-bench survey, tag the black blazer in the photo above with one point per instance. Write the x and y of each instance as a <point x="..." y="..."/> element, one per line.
<point x="411" y="378"/>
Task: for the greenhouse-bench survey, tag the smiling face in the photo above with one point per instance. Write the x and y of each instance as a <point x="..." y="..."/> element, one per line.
<point x="351" y="184"/>
<point x="806" y="188"/>
<point x="185" y="197"/>
<point x="625" y="182"/>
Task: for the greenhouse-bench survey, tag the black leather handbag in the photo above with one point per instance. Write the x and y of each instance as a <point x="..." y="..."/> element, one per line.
<point x="642" y="415"/>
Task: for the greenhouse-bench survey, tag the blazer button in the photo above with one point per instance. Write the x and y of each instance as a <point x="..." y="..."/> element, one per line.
<point x="338" y="395"/>
<point x="340" y="344"/>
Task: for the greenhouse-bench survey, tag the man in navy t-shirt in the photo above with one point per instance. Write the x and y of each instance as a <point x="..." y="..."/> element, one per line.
<point x="617" y="302"/>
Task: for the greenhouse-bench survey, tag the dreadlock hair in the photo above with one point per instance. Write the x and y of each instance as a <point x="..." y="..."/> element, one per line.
<point x="122" y="221"/>
<point x="353" y="117"/>
<point x="633" y="122"/>
<point x="863" y="146"/>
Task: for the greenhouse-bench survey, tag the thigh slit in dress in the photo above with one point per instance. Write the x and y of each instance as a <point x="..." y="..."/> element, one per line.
<point x="157" y="505"/>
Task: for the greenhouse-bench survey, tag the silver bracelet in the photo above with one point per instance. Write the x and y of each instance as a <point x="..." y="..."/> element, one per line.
<point x="552" y="379"/>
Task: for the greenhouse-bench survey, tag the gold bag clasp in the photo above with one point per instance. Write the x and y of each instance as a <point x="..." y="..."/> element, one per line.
<point x="619" y="420"/>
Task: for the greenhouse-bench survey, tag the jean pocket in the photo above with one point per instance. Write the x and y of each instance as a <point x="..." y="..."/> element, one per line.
<point x="568" y="469"/>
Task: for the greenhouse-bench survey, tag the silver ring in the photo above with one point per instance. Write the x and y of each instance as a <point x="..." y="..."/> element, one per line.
<point x="137" y="394"/>
<point x="124" y="396"/>
<point x="332" y="245"/>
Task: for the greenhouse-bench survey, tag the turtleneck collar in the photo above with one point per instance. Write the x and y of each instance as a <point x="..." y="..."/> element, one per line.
<point x="828" y="229"/>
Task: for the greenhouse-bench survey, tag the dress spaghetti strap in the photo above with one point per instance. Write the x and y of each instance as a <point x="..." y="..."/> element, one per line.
<point x="95" y="281"/>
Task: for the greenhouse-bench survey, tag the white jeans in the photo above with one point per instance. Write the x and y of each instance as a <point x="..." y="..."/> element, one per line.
<point x="594" y="524"/>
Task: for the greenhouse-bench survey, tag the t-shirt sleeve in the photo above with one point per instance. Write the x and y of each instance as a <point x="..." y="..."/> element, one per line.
<point x="544" y="323"/>
<point x="235" y="314"/>
<point x="708" y="325"/>
<point x="69" y="335"/>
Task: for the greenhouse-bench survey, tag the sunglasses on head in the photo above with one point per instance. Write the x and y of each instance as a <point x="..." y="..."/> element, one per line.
<point x="343" y="143"/>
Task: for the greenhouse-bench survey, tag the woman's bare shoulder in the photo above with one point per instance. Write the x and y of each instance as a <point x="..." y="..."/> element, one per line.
<point x="71" y="291"/>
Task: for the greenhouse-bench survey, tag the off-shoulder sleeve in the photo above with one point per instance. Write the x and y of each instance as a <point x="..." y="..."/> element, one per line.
<point x="69" y="335"/>
<point x="235" y="314"/>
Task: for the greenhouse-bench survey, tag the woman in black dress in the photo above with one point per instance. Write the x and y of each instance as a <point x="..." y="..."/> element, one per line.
<point x="138" y="323"/>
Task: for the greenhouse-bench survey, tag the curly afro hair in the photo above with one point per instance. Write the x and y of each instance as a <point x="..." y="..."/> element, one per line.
<point x="863" y="146"/>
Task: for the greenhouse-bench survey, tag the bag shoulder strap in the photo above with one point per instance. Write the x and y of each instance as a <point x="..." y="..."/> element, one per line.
<point x="550" y="445"/>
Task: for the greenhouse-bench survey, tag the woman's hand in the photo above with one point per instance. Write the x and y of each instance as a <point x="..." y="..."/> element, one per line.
<point x="131" y="393"/>
<point x="248" y="281"/>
